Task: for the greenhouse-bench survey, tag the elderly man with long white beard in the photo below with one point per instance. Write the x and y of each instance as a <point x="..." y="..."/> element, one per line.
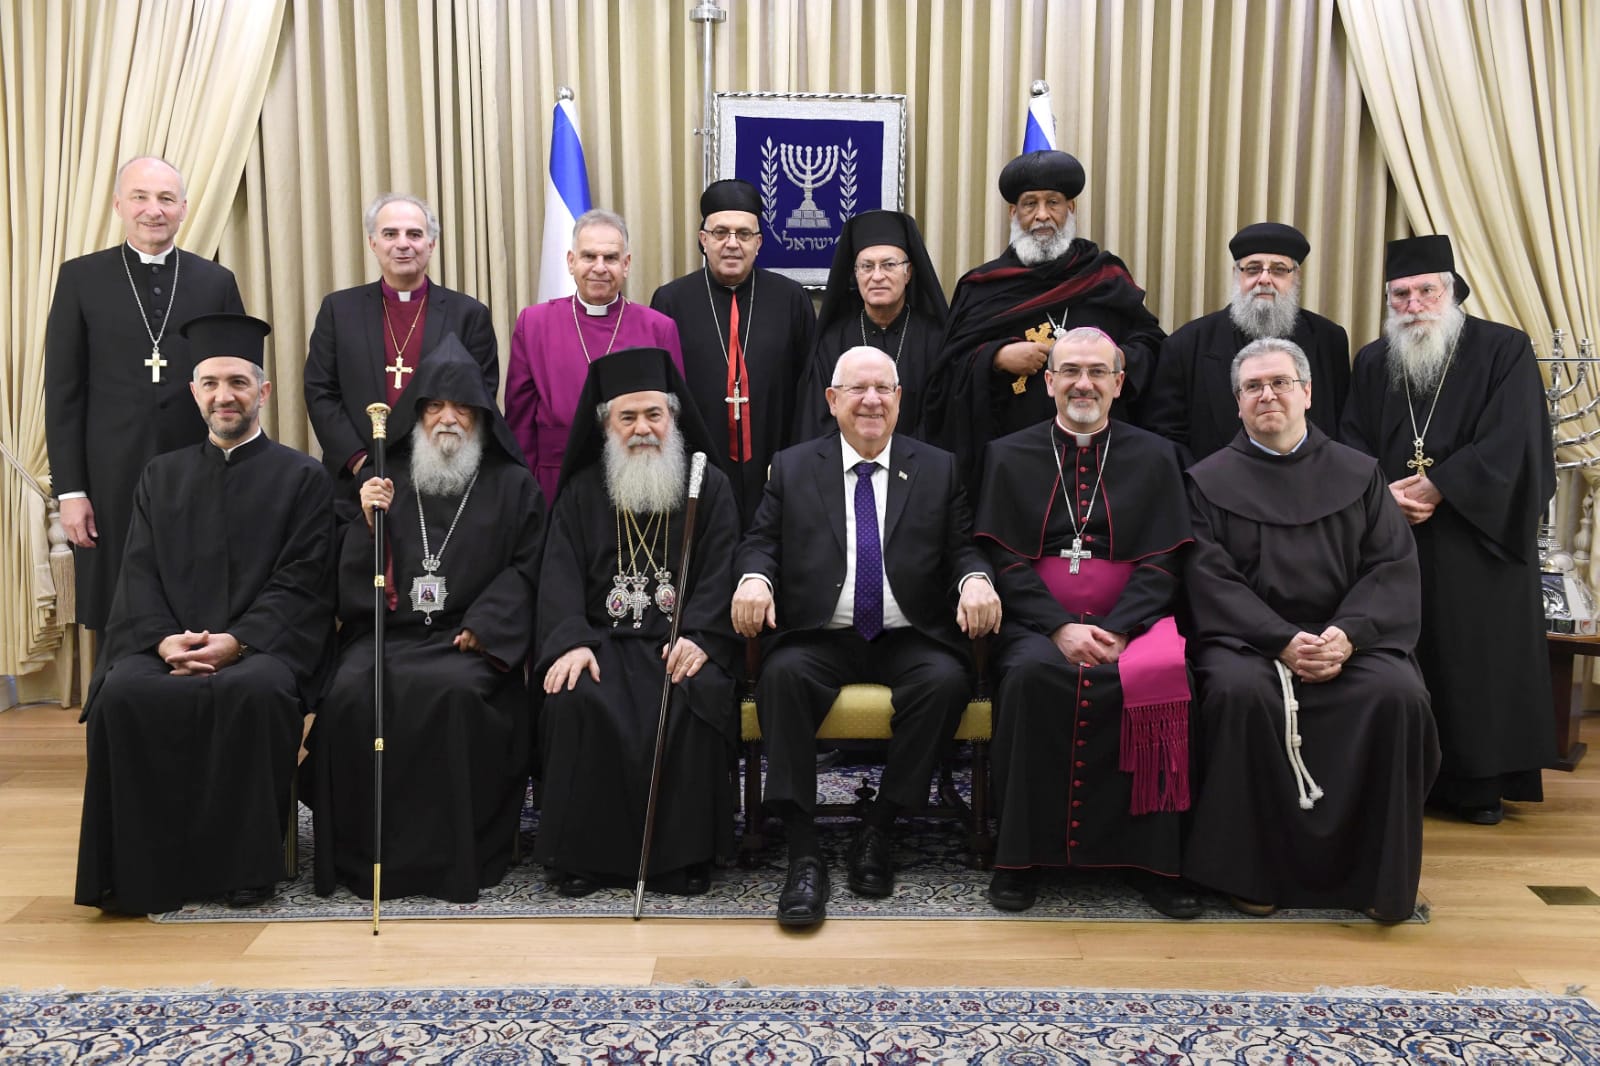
<point x="464" y="530"/>
<point x="1453" y="408"/>
<point x="1007" y="314"/>
<point x="1192" y="400"/>
<point x="609" y="587"/>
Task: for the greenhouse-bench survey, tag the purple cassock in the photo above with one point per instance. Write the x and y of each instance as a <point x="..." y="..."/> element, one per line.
<point x="551" y="349"/>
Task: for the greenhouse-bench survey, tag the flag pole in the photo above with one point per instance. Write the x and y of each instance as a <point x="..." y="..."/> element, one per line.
<point x="708" y="15"/>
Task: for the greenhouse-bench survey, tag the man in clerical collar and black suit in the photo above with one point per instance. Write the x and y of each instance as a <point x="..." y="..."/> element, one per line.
<point x="852" y="605"/>
<point x="116" y="367"/>
<point x="368" y="340"/>
<point x="222" y="618"/>
<point x="746" y="335"/>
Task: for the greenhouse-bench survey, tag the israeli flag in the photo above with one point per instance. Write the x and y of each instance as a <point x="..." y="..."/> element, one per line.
<point x="1040" y="134"/>
<point x="566" y="196"/>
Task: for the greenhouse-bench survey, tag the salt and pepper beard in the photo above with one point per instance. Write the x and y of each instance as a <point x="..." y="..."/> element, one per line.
<point x="1265" y="318"/>
<point x="443" y="462"/>
<point x="1420" y="345"/>
<point x="1035" y="250"/>
<point x="642" y="480"/>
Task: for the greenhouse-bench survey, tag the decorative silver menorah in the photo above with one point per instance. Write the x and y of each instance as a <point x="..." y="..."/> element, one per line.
<point x="808" y="166"/>
<point x="1569" y="603"/>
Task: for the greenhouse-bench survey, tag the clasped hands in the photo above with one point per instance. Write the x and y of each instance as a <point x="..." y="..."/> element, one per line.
<point x="1312" y="657"/>
<point x="205" y="652"/>
<point x="1417" y="497"/>
<point x="1083" y="644"/>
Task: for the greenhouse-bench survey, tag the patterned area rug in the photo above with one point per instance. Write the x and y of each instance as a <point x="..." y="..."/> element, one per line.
<point x="934" y="879"/>
<point x="795" y="1027"/>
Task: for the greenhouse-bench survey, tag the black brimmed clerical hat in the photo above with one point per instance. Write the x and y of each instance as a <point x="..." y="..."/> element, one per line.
<point x="1269" y="238"/>
<point x="1431" y="254"/>
<point x="1040" y="171"/>
<point x="729" y="194"/>
<point x="227" y="333"/>
<point x="622" y="372"/>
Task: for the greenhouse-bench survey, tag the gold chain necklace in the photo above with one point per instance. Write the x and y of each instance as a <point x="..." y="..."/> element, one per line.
<point x="399" y="348"/>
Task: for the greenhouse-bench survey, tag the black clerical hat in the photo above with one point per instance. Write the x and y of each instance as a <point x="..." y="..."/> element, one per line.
<point x="729" y="194"/>
<point x="1269" y="238"/>
<point x="227" y="333"/>
<point x="1052" y="170"/>
<point x="621" y="372"/>
<point x="1431" y="254"/>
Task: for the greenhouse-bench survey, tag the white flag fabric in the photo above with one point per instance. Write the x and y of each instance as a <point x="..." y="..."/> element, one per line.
<point x="1040" y="134"/>
<point x="566" y="196"/>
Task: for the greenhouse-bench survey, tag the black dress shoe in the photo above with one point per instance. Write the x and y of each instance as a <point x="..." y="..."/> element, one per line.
<point x="1483" y="815"/>
<point x="1014" y="890"/>
<point x="804" y="899"/>
<point x="574" y="886"/>
<point x="691" y="880"/>
<point x="1172" y="896"/>
<point x="871" y="873"/>
<point x="250" y="897"/>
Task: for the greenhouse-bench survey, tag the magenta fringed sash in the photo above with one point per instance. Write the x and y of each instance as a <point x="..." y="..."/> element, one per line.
<point x="1155" y="685"/>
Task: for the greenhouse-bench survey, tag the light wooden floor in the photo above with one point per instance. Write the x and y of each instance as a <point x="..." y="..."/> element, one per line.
<point x="1488" y="929"/>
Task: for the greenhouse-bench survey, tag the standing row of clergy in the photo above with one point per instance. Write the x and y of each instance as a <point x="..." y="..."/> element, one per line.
<point x="1487" y="446"/>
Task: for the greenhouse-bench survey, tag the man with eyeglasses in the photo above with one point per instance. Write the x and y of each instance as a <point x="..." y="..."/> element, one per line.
<point x="1303" y="612"/>
<point x="1191" y="401"/>
<point x="1006" y="314"/>
<point x="1083" y="519"/>
<point x="861" y="558"/>
<point x="1453" y="408"/>
<point x="746" y="335"/>
<point x="882" y="292"/>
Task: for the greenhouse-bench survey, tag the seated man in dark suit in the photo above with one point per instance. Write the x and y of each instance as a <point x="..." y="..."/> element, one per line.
<point x="857" y="607"/>
<point x="368" y="341"/>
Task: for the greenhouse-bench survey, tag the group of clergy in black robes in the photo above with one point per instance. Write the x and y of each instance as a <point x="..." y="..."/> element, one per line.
<point x="1472" y="502"/>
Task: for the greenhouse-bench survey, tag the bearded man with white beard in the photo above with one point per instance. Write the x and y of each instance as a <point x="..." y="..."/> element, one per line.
<point x="1007" y="313"/>
<point x="1191" y="400"/>
<point x="1453" y="409"/>
<point x="464" y="531"/>
<point x="608" y="590"/>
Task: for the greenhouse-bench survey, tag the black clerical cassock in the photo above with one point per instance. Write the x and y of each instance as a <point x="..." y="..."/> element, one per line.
<point x="188" y="784"/>
<point x="1091" y="762"/>
<point x="1284" y="545"/>
<point x="596" y="741"/>
<point x="457" y="725"/>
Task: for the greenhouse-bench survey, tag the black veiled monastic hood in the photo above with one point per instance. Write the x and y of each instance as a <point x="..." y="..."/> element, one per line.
<point x="449" y="373"/>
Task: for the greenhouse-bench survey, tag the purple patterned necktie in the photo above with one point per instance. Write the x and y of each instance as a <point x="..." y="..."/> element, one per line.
<point x="869" y="556"/>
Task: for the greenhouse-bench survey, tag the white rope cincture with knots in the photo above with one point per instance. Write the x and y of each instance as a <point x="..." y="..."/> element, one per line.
<point x="1310" y="791"/>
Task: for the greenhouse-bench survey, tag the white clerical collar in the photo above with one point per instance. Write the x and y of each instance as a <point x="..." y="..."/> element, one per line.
<point x="852" y="457"/>
<point x="1084" y="440"/>
<point x="227" y="453"/>
<point x="596" y="310"/>
<point x="160" y="258"/>
<point x="1273" y="451"/>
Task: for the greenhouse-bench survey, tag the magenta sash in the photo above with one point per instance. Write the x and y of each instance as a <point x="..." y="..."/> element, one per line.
<point x="1155" y="685"/>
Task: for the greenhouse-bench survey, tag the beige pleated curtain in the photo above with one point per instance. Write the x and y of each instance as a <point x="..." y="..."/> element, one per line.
<point x="1356" y="121"/>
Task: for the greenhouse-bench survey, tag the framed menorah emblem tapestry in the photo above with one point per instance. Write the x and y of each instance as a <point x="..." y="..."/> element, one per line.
<point x="817" y="159"/>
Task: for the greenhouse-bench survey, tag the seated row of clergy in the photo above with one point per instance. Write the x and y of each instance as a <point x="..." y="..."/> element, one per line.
<point x="1295" y="553"/>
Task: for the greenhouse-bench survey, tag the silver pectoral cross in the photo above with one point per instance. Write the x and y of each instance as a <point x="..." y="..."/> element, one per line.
<point x="155" y="363"/>
<point x="1077" y="553"/>
<point x="399" y="370"/>
<point x="737" y="401"/>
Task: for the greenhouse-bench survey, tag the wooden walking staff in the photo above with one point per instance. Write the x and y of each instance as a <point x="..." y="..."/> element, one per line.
<point x="379" y="413"/>
<point x="697" y="473"/>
